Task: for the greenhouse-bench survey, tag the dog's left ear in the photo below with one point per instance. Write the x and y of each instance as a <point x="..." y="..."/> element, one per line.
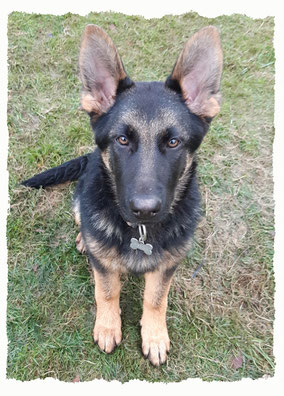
<point x="197" y="73"/>
<point x="101" y="71"/>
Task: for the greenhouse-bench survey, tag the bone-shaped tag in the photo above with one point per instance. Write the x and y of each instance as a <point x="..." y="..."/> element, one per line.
<point x="146" y="248"/>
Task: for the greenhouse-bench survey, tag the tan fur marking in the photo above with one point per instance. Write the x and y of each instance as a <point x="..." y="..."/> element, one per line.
<point x="76" y="210"/>
<point x="107" y="330"/>
<point x="154" y="333"/>
<point x="149" y="130"/>
<point x="155" y="339"/>
<point x="109" y="258"/>
<point x="80" y="243"/>
<point x="89" y="103"/>
<point x="106" y="159"/>
<point x="182" y="182"/>
<point x="105" y="155"/>
<point x="102" y="223"/>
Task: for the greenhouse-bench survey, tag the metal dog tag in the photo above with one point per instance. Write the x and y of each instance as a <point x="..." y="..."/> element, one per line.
<point x="146" y="248"/>
<point x="140" y="244"/>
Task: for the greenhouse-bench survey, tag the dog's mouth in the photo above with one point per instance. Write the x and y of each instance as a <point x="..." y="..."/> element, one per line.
<point x="134" y="220"/>
<point x="137" y="224"/>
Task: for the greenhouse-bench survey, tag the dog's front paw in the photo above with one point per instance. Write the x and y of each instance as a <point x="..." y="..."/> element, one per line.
<point x="108" y="336"/>
<point x="155" y="343"/>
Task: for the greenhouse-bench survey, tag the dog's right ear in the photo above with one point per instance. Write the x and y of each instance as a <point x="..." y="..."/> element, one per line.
<point x="101" y="71"/>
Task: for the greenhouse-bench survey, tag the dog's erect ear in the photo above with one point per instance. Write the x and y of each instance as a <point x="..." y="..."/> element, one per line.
<point x="101" y="70"/>
<point x="197" y="72"/>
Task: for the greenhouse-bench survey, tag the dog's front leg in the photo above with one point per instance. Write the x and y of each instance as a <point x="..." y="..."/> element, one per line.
<point x="155" y="339"/>
<point x="107" y="330"/>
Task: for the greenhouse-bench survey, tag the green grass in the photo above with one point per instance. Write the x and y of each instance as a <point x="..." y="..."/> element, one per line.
<point x="223" y="312"/>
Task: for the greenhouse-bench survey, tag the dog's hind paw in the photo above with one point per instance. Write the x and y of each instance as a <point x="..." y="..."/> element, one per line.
<point x="80" y="243"/>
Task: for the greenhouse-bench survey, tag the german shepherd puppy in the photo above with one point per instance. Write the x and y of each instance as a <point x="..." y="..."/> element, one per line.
<point x="137" y="200"/>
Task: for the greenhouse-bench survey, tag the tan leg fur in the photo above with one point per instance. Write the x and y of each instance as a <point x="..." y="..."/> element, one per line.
<point x="107" y="330"/>
<point x="155" y="339"/>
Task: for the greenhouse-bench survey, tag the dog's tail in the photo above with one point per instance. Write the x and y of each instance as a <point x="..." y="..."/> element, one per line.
<point x="69" y="171"/>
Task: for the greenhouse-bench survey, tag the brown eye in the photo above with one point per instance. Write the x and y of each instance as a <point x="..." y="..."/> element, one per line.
<point x="172" y="143"/>
<point x="123" y="140"/>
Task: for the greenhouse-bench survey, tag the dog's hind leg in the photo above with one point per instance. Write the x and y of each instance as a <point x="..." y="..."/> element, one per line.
<point x="155" y="339"/>
<point x="80" y="245"/>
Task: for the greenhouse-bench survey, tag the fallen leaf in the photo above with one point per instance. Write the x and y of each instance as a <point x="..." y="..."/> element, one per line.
<point x="76" y="379"/>
<point x="112" y="27"/>
<point x="35" y="267"/>
<point x="237" y="362"/>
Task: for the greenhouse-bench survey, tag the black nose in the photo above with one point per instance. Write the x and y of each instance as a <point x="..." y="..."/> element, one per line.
<point x="145" y="207"/>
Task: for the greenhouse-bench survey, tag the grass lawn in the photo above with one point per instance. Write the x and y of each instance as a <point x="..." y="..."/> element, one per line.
<point x="220" y="318"/>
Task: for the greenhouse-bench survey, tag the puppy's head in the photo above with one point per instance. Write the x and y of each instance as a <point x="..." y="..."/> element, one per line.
<point x="148" y="132"/>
